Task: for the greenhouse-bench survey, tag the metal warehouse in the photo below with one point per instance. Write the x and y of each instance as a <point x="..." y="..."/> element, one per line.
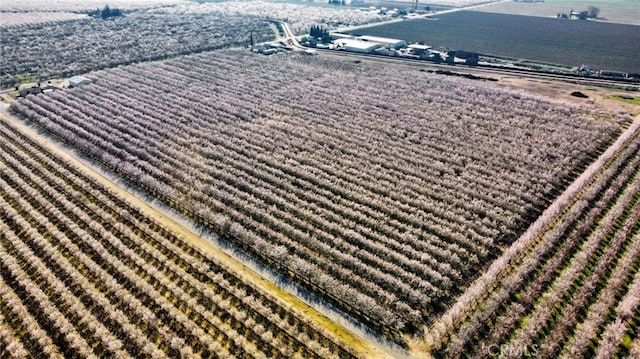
<point x="356" y="45"/>
<point x="386" y="42"/>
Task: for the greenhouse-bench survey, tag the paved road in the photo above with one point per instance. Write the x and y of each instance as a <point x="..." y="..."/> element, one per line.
<point x="289" y="36"/>
<point x="432" y="14"/>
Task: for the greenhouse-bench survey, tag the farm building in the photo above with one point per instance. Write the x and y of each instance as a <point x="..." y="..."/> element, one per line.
<point x="356" y="45"/>
<point x="386" y="42"/>
<point x="48" y="89"/>
<point x="613" y="73"/>
<point x="419" y="50"/>
<point x="339" y="35"/>
<point x="76" y="81"/>
<point x="419" y="47"/>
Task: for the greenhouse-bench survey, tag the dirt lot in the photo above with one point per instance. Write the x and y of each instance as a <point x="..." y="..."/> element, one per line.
<point x="607" y="98"/>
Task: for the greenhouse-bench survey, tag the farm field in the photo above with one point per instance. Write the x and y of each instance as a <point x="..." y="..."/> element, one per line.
<point x="572" y="288"/>
<point x="438" y="3"/>
<point x="365" y="188"/>
<point x="300" y="17"/>
<point x="26" y="6"/>
<point x="47" y="45"/>
<point x="548" y="40"/>
<point x="85" y="273"/>
<point x="614" y="11"/>
<point x="9" y="19"/>
<point x="77" y="46"/>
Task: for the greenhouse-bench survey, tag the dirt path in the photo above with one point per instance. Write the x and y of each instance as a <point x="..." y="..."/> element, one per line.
<point x="363" y="348"/>
<point x="425" y="16"/>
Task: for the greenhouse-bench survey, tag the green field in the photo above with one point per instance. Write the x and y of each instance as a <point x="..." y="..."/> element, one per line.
<point x="27" y="79"/>
<point x="549" y="40"/>
<point x="627" y="99"/>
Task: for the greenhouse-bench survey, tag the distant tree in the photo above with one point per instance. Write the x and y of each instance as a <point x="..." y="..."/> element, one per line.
<point x="451" y="57"/>
<point x="583" y="15"/>
<point x="318" y="32"/>
<point x="593" y="12"/>
<point x="472" y="60"/>
<point x="420" y="52"/>
<point x="105" y="13"/>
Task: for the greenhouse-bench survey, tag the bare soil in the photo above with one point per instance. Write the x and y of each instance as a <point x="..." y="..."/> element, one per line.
<point x="598" y="96"/>
<point x="615" y="14"/>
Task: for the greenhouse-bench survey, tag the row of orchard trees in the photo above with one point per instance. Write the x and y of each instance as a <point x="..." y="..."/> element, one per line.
<point x="84" y="273"/>
<point x="72" y="6"/>
<point x="66" y="48"/>
<point x="574" y="290"/>
<point x="385" y="196"/>
<point x="298" y="15"/>
<point x="11" y="19"/>
<point x="57" y="44"/>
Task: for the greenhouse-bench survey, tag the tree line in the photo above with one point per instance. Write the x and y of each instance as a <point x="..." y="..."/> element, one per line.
<point x="105" y="13"/>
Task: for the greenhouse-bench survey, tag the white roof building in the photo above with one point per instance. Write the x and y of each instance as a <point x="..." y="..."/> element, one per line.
<point x="419" y="47"/>
<point x="76" y="81"/>
<point x="386" y="42"/>
<point x="356" y="45"/>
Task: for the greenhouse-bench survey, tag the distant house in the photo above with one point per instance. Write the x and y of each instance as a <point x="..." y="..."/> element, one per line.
<point x="584" y="70"/>
<point x="269" y="51"/>
<point x="419" y="47"/>
<point x="420" y="50"/>
<point x="77" y="81"/>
